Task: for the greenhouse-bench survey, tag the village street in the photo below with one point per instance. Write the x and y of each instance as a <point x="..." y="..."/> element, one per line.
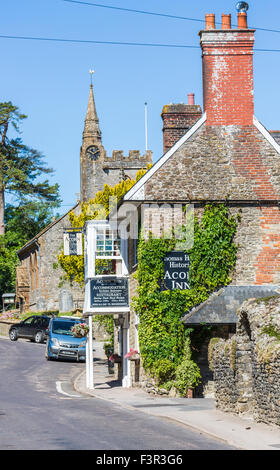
<point x="139" y="228"/>
<point x="39" y="409"/>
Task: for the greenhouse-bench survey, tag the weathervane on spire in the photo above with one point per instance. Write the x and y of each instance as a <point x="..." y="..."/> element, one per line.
<point x="91" y="71"/>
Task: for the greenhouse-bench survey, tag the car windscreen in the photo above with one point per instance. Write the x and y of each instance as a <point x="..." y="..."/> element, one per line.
<point x="62" y="327"/>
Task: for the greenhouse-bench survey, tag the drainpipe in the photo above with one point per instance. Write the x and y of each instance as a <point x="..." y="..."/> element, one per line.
<point x="39" y="264"/>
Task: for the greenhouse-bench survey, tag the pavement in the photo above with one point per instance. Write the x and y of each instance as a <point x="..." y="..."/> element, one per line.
<point x="199" y="414"/>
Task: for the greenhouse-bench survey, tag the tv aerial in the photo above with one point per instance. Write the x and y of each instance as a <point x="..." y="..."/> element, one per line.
<point x="242" y="7"/>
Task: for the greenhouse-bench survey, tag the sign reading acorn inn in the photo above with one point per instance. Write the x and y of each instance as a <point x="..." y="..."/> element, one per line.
<point x="176" y="265"/>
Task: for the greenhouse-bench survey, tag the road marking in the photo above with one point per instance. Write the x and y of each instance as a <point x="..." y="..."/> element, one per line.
<point x="59" y="389"/>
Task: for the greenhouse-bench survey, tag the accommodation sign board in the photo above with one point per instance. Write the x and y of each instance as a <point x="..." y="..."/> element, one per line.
<point x="176" y="266"/>
<point x="109" y="292"/>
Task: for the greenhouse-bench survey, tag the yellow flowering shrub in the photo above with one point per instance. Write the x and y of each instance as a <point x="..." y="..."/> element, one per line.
<point x="98" y="207"/>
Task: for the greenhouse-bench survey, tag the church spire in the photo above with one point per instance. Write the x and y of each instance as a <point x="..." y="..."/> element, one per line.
<point x="91" y="129"/>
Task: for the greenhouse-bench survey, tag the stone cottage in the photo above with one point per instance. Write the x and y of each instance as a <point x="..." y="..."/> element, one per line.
<point x="223" y="155"/>
<point x="38" y="281"/>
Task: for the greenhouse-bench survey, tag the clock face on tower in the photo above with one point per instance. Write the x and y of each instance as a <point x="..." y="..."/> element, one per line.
<point x="93" y="152"/>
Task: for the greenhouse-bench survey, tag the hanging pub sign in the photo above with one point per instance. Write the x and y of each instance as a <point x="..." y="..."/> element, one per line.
<point x="109" y="292"/>
<point x="176" y="266"/>
<point x="73" y="243"/>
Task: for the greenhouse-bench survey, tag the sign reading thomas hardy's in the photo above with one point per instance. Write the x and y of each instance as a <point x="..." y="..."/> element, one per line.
<point x="109" y="292"/>
<point x="176" y="266"/>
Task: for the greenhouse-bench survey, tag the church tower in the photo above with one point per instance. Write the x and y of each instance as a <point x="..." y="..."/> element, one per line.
<point x="96" y="167"/>
<point x="92" y="153"/>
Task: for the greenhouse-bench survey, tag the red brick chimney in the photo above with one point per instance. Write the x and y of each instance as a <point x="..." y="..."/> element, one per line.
<point x="227" y="60"/>
<point x="178" y="119"/>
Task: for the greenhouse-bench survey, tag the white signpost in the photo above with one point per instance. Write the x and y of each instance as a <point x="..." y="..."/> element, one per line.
<point x="106" y="283"/>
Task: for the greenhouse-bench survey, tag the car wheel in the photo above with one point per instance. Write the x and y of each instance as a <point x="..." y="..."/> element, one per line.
<point x="13" y="335"/>
<point x="39" y="337"/>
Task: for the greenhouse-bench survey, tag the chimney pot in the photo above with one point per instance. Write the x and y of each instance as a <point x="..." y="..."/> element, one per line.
<point x="242" y="20"/>
<point x="191" y="98"/>
<point x="177" y="120"/>
<point x="226" y="21"/>
<point x="228" y="95"/>
<point x="210" y="21"/>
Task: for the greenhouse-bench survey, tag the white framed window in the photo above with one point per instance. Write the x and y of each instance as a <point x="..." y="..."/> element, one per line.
<point x="108" y="245"/>
<point x="105" y="252"/>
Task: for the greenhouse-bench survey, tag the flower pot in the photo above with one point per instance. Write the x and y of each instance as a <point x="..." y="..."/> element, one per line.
<point x="115" y="359"/>
<point x="80" y="331"/>
<point x="135" y="357"/>
<point x="189" y="393"/>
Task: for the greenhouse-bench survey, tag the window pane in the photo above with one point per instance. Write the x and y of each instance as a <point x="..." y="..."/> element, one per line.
<point x="100" y="235"/>
<point x="107" y="244"/>
<point x="28" y="321"/>
<point x="105" y="267"/>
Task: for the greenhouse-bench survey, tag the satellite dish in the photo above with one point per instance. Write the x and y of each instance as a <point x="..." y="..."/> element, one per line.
<point x="242" y="7"/>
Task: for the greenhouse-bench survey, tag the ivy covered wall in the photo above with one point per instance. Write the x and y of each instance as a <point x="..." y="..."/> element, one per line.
<point x="165" y="344"/>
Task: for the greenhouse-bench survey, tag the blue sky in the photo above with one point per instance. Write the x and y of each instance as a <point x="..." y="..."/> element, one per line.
<point x="50" y="81"/>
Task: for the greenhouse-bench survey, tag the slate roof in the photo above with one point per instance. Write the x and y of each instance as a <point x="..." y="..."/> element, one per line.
<point x="276" y="136"/>
<point x="221" y="307"/>
<point x="48" y="227"/>
<point x="137" y="192"/>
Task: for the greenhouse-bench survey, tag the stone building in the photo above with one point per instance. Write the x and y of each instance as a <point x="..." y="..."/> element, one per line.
<point x="97" y="168"/>
<point x="226" y="156"/>
<point x="247" y="366"/>
<point x="39" y="277"/>
<point x="38" y="282"/>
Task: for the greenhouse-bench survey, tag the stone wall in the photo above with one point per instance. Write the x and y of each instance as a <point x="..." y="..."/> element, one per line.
<point x="99" y="331"/>
<point x="247" y="367"/>
<point x="52" y="291"/>
<point x="5" y="326"/>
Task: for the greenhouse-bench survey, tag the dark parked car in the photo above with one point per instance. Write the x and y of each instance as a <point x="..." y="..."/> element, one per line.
<point x="33" y="328"/>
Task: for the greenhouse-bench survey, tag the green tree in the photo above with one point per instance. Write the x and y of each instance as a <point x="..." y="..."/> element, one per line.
<point x="21" y="167"/>
<point x="28" y="219"/>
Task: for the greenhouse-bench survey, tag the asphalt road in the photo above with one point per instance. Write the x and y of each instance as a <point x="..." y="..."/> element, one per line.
<point x="39" y="410"/>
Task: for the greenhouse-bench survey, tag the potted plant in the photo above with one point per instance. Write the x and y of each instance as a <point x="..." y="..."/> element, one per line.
<point x="115" y="358"/>
<point x="132" y="355"/>
<point x="80" y="330"/>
